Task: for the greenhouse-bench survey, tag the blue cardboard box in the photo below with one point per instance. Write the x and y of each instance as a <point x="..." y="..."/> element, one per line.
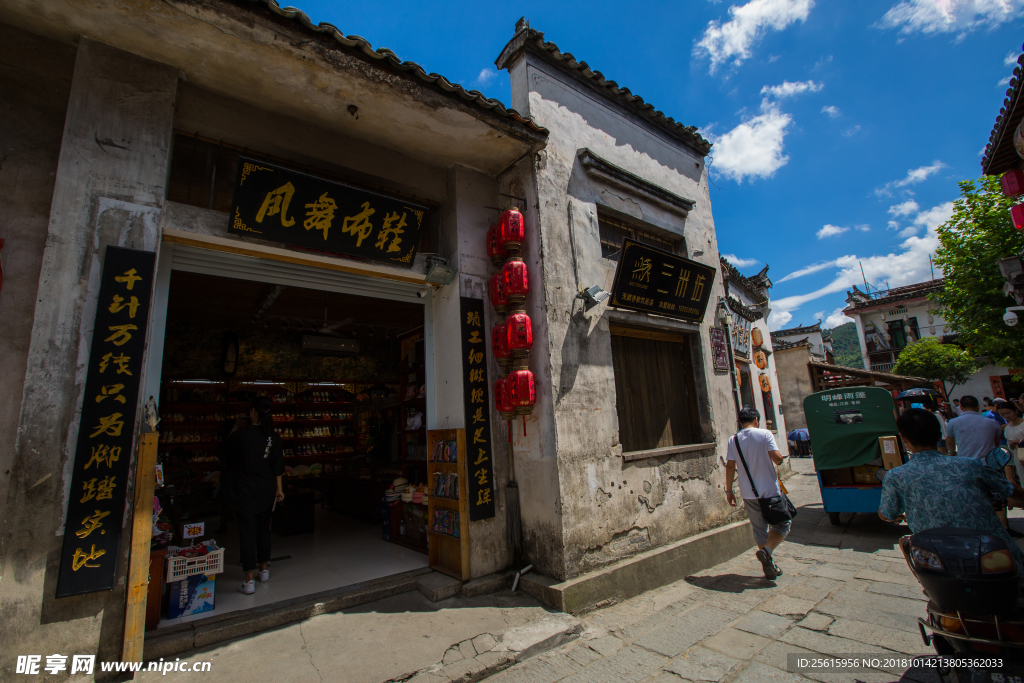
<point x="193" y="595"/>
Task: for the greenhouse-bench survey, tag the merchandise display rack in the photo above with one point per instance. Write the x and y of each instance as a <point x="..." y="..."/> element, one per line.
<point x="448" y="553"/>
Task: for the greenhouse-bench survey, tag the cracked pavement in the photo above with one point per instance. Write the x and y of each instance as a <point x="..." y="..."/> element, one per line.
<point x="844" y="590"/>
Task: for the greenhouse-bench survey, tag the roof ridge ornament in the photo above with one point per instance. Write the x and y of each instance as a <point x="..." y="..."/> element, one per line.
<point x="522" y="24"/>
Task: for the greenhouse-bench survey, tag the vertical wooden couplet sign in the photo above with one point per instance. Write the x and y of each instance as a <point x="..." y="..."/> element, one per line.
<point x="479" y="458"/>
<point x="106" y="429"/>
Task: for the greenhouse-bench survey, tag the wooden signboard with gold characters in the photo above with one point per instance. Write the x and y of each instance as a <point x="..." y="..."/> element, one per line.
<point x="106" y="429"/>
<point x="654" y="281"/>
<point x="275" y="203"/>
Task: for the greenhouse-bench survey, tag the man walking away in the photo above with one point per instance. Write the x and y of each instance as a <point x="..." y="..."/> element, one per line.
<point x="761" y="455"/>
<point x="972" y="435"/>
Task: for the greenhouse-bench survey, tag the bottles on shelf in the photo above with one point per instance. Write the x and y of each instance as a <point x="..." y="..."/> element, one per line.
<point x="189" y="437"/>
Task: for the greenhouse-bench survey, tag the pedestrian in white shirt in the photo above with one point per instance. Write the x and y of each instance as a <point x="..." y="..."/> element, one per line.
<point x="760" y="455"/>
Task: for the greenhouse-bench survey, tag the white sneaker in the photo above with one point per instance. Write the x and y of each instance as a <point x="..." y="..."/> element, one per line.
<point x="264" y="575"/>
<point x="247" y="587"/>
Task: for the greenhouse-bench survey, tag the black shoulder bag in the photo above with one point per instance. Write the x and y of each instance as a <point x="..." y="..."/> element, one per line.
<point x="775" y="510"/>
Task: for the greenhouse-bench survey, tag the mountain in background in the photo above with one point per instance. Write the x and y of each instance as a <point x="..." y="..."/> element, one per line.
<point x="846" y="347"/>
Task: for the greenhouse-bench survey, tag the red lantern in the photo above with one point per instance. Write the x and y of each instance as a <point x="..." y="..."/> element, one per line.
<point x="495" y="250"/>
<point x="517" y="280"/>
<point x="520" y="334"/>
<point x="499" y="297"/>
<point x="503" y="399"/>
<point x="499" y="345"/>
<point x="1017" y="216"/>
<point x="512" y="231"/>
<point x="1012" y="182"/>
<point x="522" y="391"/>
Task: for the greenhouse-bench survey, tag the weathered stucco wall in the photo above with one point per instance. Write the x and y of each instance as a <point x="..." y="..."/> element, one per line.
<point x="794" y="384"/>
<point x="611" y="508"/>
<point x="114" y="150"/>
<point x="35" y="79"/>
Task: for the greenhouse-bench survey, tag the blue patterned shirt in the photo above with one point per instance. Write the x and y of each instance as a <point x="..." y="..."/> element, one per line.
<point x="936" y="490"/>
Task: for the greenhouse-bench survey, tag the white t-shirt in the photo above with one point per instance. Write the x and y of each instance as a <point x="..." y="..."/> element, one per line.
<point x="1014" y="433"/>
<point x="755" y="444"/>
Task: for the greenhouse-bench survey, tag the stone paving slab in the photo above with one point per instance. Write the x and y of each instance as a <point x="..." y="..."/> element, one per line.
<point x="844" y="590"/>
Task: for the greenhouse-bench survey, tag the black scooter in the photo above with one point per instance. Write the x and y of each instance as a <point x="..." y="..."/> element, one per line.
<point x="974" y="620"/>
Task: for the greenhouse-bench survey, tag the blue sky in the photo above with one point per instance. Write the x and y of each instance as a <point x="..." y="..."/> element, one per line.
<point x="840" y="128"/>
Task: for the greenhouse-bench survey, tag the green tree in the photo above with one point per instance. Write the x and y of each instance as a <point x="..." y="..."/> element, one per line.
<point x="970" y="244"/>
<point x="846" y="346"/>
<point x="931" y="359"/>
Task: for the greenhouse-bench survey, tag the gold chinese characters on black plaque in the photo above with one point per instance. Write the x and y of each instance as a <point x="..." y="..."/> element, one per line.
<point x="655" y="281"/>
<point x="282" y="205"/>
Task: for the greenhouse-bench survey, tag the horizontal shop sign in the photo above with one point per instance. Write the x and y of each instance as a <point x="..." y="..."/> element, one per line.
<point x="283" y="205"/>
<point x="655" y="281"/>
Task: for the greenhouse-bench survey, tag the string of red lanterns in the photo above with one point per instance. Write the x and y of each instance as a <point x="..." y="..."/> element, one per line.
<point x="515" y="392"/>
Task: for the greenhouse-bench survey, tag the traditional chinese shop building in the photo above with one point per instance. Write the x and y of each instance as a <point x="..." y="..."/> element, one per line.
<point x="621" y="465"/>
<point x="208" y="202"/>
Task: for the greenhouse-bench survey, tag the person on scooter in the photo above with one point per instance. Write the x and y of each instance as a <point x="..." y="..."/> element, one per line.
<point x="934" y="490"/>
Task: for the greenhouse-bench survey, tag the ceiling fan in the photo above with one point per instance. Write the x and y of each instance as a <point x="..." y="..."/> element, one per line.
<point x="331" y="329"/>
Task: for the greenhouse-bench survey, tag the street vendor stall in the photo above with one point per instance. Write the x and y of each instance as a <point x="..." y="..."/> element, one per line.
<point x="855" y="443"/>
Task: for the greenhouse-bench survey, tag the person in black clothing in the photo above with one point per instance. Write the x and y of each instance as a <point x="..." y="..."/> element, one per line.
<point x="256" y="463"/>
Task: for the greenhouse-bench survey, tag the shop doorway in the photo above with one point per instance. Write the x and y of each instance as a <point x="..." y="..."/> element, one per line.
<point x="347" y="376"/>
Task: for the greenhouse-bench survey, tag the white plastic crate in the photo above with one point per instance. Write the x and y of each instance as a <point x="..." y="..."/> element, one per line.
<point x="179" y="568"/>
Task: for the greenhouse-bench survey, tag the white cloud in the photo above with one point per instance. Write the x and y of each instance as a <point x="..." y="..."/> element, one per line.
<point x="851" y="131"/>
<point x="807" y="270"/>
<point x="862" y="228"/>
<point x="908" y="231"/>
<point x="822" y="63"/>
<point x="753" y="148"/>
<point x="836" y="319"/>
<point x="820" y="315"/>
<point x="789" y="88"/>
<point x="909" y="265"/>
<point x="914" y="176"/>
<point x="905" y="209"/>
<point x="1011" y="58"/>
<point x="949" y="16"/>
<point x="740" y="262"/>
<point x="747" y="23"/>
<point x="777" y="320"/>
<point x="830" y="230"/>
<point x="893" y="225"/>
<point x="831" y="110"/>
<point x="1005" y="81"/>
<point x="774" y="58"/>
<point x="486" y="76"/>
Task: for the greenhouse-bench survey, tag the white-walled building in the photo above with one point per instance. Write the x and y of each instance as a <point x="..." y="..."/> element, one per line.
<point x="818" y="341"/>
<point x="757" y="383"/>
<point x="888" y="320"/>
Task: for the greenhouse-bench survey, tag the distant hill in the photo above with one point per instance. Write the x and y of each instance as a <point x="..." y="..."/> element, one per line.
<point x="845" y="346"/>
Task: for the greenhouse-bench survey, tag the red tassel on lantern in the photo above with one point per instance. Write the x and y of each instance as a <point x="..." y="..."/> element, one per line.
<point x="520" y="334"/>
<point x="503" y="398"/>
<point x="512" y="231"/>
<point x="517" y="280"/>
<point x="499" y="297"/>
<point x="495" y="250"/>
<point x="499" y="345"/>
<point x="522" y="391"/>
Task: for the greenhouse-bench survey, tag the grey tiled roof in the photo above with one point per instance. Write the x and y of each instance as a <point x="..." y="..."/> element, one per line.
<point x="389" y="59"/>
<point x="530" y="38"/>
<point x="999" y="155"/>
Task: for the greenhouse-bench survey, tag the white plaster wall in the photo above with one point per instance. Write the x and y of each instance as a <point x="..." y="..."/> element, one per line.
<point x="611" y="508"/>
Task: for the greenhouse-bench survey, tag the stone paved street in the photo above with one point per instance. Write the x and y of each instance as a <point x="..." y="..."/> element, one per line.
<point x="844" y="590"/>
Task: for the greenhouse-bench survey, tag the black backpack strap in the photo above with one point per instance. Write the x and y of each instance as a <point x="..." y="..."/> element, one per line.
<point x="746" y="469"/>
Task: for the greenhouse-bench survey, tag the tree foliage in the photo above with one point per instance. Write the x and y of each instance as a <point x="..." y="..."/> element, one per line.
<point x="970" y="245"/>
<point x="931" y="359"/>
<point x="846" y="346"/>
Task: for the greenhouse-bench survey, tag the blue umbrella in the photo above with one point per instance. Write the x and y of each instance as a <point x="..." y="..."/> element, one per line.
<point x="916" y="392"/>
<point x="799" y="435"/>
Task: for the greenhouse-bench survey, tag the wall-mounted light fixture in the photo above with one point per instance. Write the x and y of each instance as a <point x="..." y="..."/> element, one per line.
<point x="438" y="271"/>
<point x="592" y="297"/>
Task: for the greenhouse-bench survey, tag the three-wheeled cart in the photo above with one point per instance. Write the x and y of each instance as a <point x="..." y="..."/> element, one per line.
<point x="853" y="430"/>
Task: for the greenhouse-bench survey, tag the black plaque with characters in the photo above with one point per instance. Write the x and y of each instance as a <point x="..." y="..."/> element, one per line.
<point x="479" y="456"/>
<point x="282" y="205"/>
<point x="106" y="430"/>
<point x="719" y="349"/>
<point x="654" y="281"/>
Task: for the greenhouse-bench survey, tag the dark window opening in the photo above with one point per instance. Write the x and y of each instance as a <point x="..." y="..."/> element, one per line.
<point x="203" y="174"/>
<point x="612" y="232"/>
<point x="771" y="423"/>
<point x="656" y="398"/>
<point x="899" y="334"/>
<point x="746" y="387"/>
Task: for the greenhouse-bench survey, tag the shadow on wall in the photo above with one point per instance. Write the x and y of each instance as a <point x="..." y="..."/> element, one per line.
<point x="194" y="351"/>
<point x="579" y="335"/>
